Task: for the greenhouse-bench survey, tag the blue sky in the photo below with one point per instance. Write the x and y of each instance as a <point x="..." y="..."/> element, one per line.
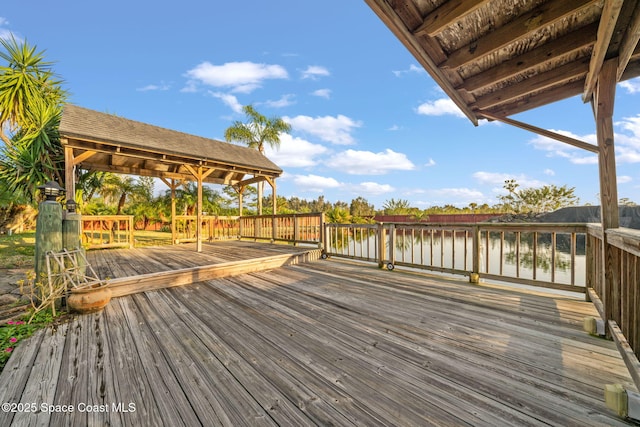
<point x="367" y="119"/>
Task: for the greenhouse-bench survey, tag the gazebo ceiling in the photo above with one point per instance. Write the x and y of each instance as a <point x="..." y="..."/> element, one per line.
<point x="105" y="142"/>
<point x="496" y="58"/>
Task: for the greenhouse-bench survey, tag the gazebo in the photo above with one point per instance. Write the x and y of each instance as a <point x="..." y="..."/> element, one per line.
<point x="105" y="142"/>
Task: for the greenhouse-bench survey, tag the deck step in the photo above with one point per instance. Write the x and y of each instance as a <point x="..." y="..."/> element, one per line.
<point x="185" y="276"/>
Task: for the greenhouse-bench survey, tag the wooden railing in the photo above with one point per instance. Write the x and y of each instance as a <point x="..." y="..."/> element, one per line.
<point x="618" y="302"/>
<point x="291" y="228"/>
<point x="107" y="231"/>
<point x="213" y="228"/>
<point x="548" y="255"/>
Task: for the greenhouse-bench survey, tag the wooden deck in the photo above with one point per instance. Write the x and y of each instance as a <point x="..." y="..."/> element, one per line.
<point x="323" y="343"/>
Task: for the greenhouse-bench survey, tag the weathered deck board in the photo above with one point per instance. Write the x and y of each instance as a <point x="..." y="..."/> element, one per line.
<point x="328" y="342"/>
<point x="385" y="362"/>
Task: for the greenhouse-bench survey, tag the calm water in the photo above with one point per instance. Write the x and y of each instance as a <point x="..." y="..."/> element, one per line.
<point x="449" y="252"/>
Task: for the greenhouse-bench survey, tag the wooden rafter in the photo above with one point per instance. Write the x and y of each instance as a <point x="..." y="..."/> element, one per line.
<point x="250" y="181"/>
<point x="560" y="75"/>
<point x="544" y="132"/>
<point x="446" y="14"/>
<point x="629" y="42"/>
<point x="537" y="100"/>
<point x="543" y="15"/>
<point x="82" y="157"/>
<point x="572" y="42"/>
<point x="608" y="22"/>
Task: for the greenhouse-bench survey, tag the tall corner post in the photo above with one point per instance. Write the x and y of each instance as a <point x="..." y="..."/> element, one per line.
<point x="603" y="105"/>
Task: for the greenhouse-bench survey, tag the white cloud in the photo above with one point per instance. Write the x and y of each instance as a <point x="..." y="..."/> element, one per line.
<point x="549" y="172"/>
<point x="440" y="107"/>
<point x="627" y="144"/>
<point x="462" y="194"/>
<point x="624" y="179"/>
<point x="315" y="183"/>
<point x="394" y="128"/>
<point x="631" y="86"/>
<point x="369" y="163"/>
<point x="452" y="196"/>
<point x="229" y="100"/>
<point x="371" y="188"/>
<point x="430" y="163"/>
<point x="295" y="152"/>
<point x="152" y="87"/>
<point x="322" y="93"/>
<point x="336" y="130"/>
<point x="498" y="178"/>
<point x="284" y="101"/>
<point x="242" y="77"/>
<point x="4" y="33"/>
<point x="315" y="71"/>
<point x="556" y="148"/>
<point x="412" y="69"/>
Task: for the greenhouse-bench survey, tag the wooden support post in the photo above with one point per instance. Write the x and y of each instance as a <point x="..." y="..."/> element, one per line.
<point x="603" y="103"/>
<point x="381" y="244"/>
<point x="199" y="212"/>
<point x="48" y="235"/>
<point x="474" y="277"/>
<point x="174" y="235"/>
<point x="200" y="175"/>
<point x="173" y="185"/>
<point x="323" y="234"/>
<point x="274" y="222"/>
<point x="69" y="174"/>
<point x="260" y="195"/>
<point x="240" y="193"/>
<point x="240" y="221"/>
<point x="275" y="198"/>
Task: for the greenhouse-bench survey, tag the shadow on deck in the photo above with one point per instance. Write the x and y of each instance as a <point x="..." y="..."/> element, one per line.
<point x="326" y="342"/>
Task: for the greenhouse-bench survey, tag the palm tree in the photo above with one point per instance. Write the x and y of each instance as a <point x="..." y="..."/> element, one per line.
<point x="118" y="187"/>
<point x="31" y="102"/>
<point x="255" y="133"/>
<point x="396" y="207"/>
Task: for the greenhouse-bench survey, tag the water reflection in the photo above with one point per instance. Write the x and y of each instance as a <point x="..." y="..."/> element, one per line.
<point x="501" y="253"/>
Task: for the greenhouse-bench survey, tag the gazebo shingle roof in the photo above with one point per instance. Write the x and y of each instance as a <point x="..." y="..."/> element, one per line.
<point x="118" y="141"/>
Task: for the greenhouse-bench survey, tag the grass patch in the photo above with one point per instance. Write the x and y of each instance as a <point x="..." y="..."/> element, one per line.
<point x="151" y="238"/>
<point x="17" y="250"/>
